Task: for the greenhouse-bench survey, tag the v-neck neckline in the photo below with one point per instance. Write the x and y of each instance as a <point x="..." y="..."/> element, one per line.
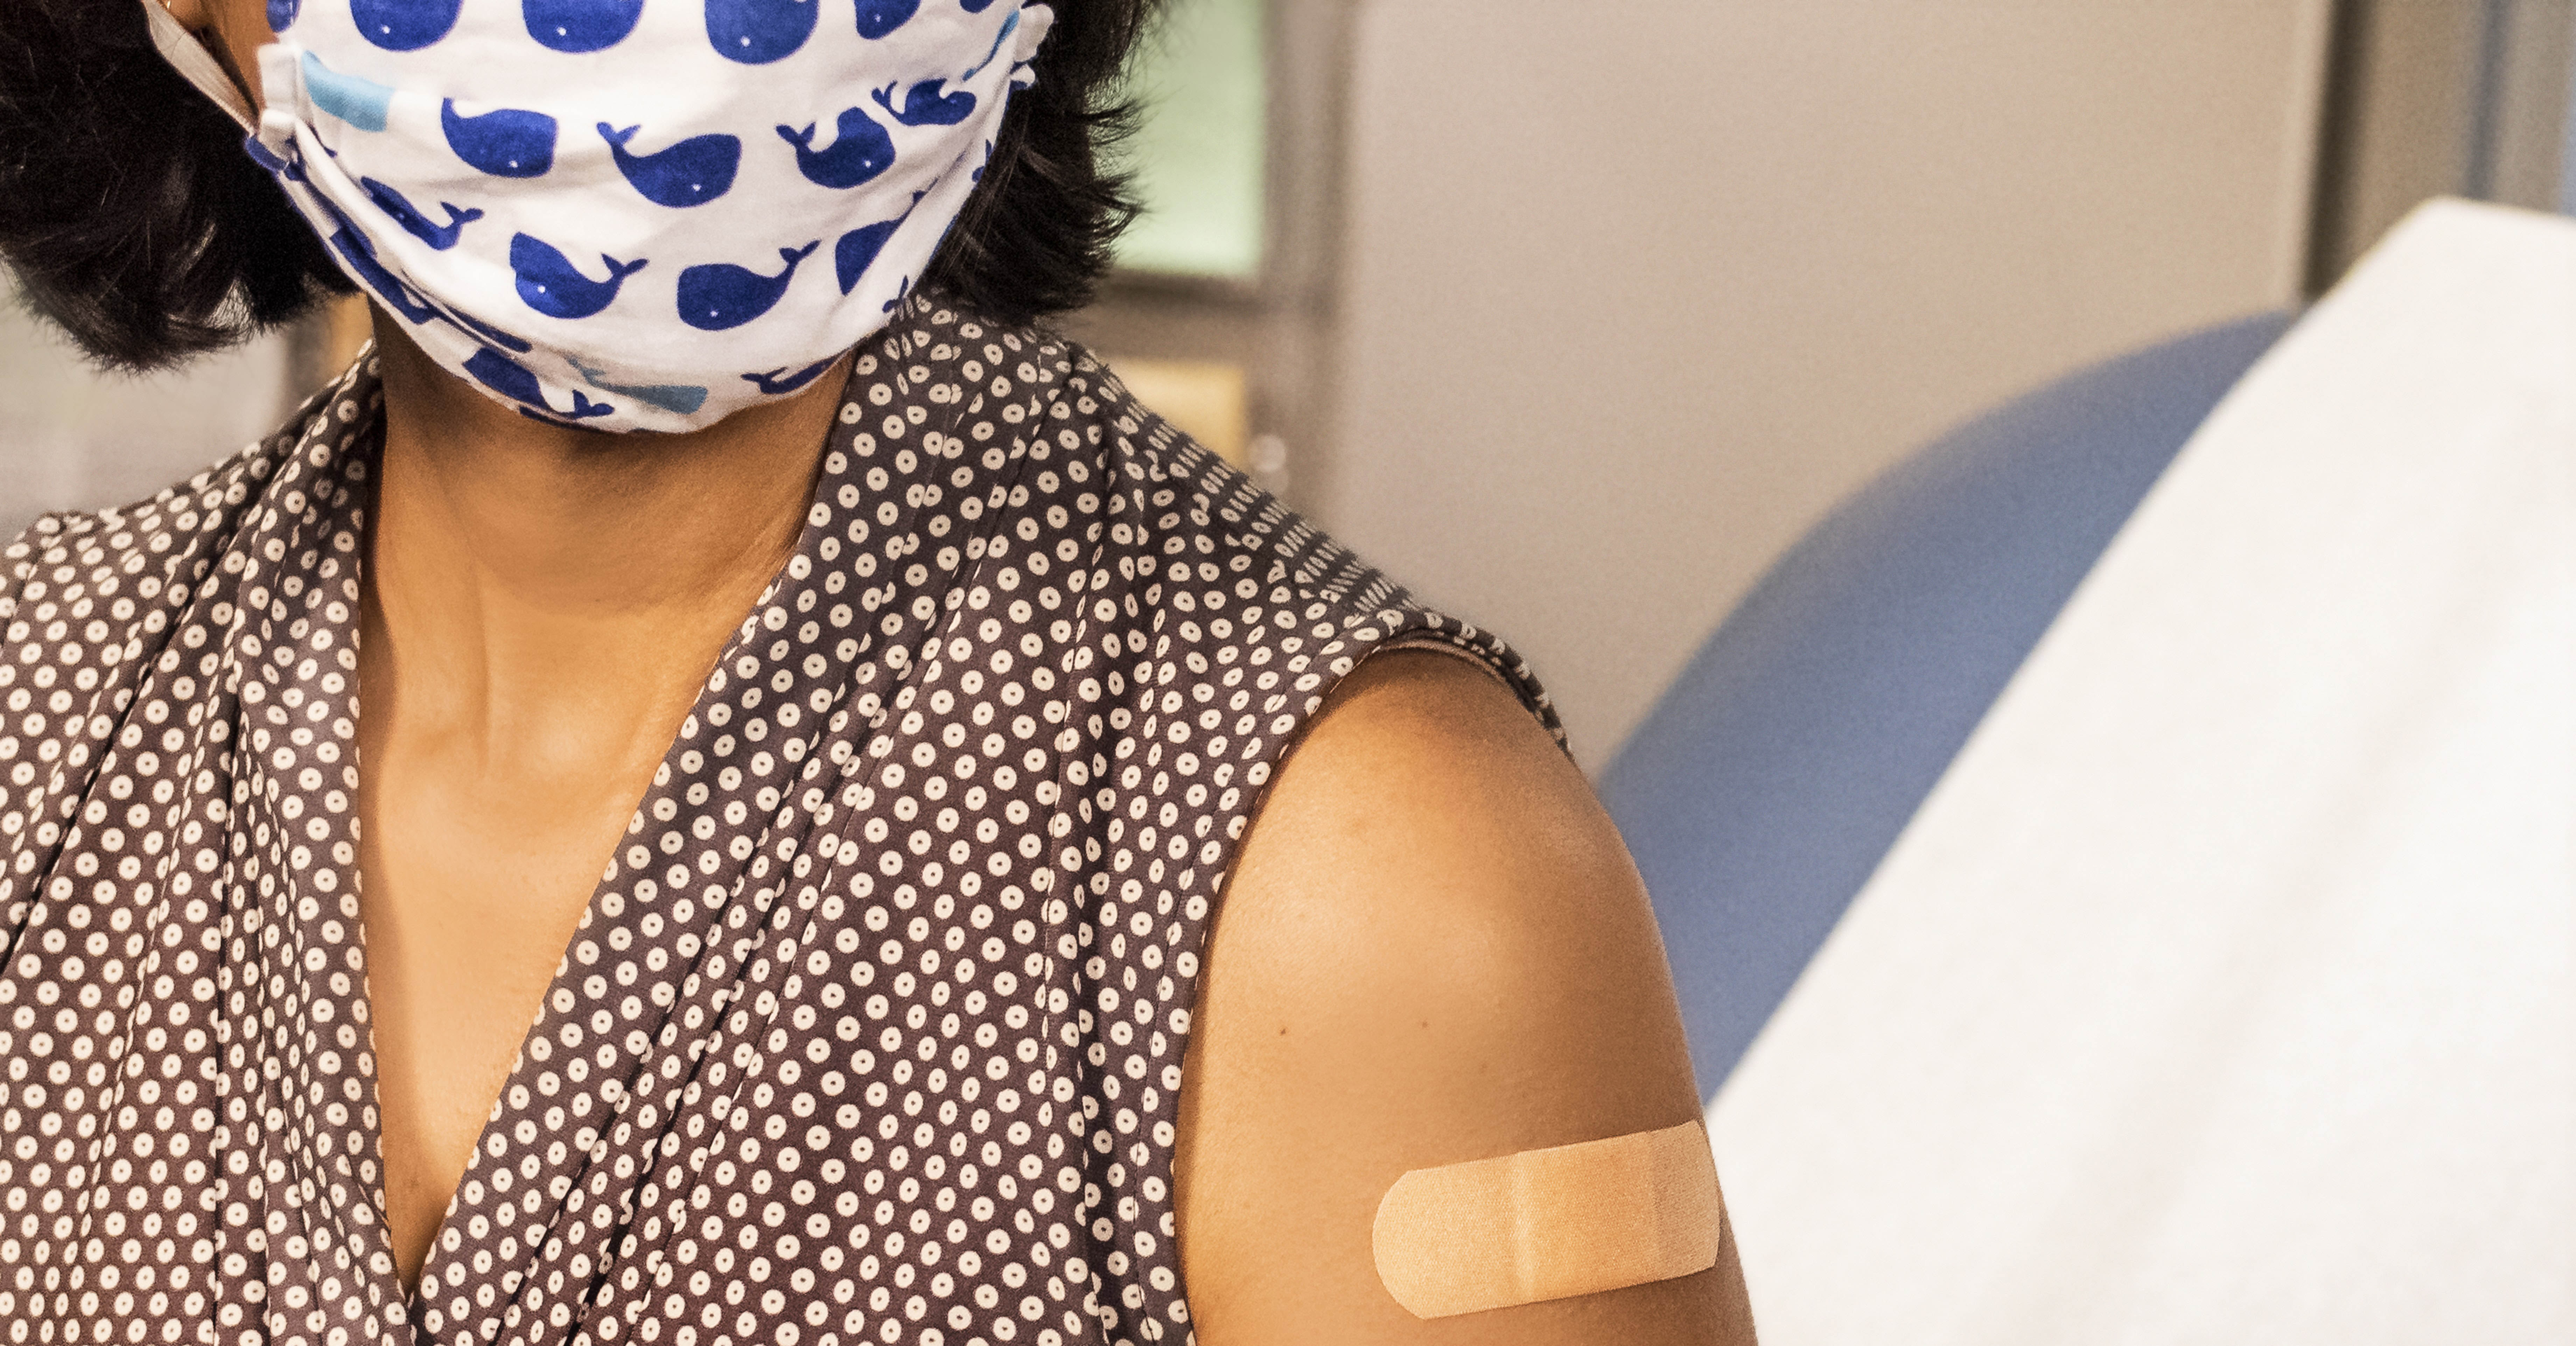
<point x="933" y="1082"/>
<point x="371" y="448"/>
<point x="507" y="1126"/>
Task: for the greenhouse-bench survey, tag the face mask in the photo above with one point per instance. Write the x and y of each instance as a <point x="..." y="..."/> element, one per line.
<point x="626" y="215"/>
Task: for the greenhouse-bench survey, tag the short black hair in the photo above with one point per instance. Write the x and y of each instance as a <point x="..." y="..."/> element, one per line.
<point x="132" y="218"/>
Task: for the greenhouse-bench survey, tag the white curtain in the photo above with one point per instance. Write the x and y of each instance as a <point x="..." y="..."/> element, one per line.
<point x="2225" y="989"/>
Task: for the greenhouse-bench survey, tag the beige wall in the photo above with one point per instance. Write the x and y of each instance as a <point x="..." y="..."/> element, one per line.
<point x="1631" y="291"/>
<point x="1634" y="290"/>
<point x="71" y="437"/>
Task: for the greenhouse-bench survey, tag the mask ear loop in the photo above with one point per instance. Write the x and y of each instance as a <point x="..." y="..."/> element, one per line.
<point x="198" y="66"/>
<point x="1034" y="23"/>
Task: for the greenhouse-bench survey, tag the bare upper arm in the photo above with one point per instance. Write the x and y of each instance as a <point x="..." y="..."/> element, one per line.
<point x="1433" y="949"/>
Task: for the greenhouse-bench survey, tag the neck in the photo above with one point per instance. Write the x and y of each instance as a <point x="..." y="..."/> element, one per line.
<point x="554" y="593"/>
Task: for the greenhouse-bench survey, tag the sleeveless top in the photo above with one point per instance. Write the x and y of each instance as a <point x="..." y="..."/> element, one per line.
<point x="872" y="1030"/>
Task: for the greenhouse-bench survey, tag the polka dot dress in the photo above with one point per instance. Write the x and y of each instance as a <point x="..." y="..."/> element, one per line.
<point x="871" y="1032"/>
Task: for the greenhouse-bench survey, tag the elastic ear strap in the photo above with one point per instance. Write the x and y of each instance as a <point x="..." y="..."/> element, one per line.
<point x="198" y="66"/>
<point x="1036" y="22"/>
<point x="1546" y="1224"/>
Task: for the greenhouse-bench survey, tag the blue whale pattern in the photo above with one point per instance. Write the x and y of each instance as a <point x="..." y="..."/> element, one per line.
<point x="1009" y="26"/>
<point x="861" y="149"/>
<point x="361" y="256"/>
<point x="778" y="381"/>
<point x="857" y="250"/>
<point x="578" y="26"/>
<point x="925" y="105"/>
<point x="691" y="173"/>
<point x="512" y="380"/>
<point x="281" y="14"/>
<point x="404" y="25"/>
<point x="362" y="103"/>
<point x="508" y="143"/>
<point x="880" y="17"/>
<point x="399" y="296"/>
<point x="290" y="168"/>
<point x="404" y="213"/>
<point x="468" y="323"/>
<point x="720" y="295"/>
<point x="353" y="247"/>
<point x="553" y="286"/>
<point x="756" y="32"/>
<point x="682" y="398"/>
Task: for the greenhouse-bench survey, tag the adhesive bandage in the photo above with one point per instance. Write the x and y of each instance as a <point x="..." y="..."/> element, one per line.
<point x="1546" y="1224"/>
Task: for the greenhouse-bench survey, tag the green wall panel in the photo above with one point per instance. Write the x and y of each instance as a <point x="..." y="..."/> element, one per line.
<point x="1199" y="155"/>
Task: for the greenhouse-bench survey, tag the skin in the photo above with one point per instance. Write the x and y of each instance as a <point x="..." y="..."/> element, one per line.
<point x="541" y="608"/>
<point x="1433" y="947"/>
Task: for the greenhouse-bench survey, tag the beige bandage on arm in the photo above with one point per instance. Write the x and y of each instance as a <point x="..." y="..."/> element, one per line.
<point x="1545" y="1224"/>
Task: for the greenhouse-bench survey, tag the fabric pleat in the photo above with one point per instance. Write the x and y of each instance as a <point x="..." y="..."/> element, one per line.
<point x="872" y="1030"/>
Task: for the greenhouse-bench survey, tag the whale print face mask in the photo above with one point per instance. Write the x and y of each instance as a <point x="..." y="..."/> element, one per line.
<point x="635" y="214"/>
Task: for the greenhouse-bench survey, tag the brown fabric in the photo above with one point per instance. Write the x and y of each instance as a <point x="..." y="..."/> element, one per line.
<point x="872" y="1031"/>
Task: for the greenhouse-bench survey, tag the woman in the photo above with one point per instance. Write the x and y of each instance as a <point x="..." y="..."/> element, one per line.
<point x="950" y="681"/>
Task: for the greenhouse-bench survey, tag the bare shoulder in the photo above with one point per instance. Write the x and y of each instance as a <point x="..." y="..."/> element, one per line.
<point x="1433" y="949"/>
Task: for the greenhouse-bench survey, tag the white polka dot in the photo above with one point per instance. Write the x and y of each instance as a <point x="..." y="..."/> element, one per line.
<point x="873" y="1029"/>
